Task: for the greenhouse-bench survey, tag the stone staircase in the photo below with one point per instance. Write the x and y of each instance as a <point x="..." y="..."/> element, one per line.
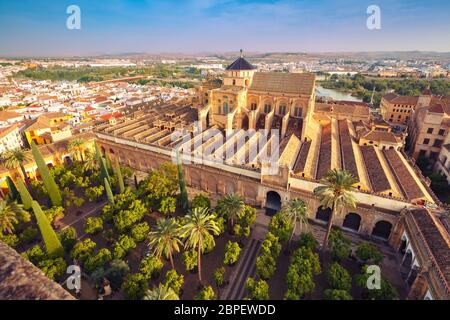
<point x="245" y="268"/>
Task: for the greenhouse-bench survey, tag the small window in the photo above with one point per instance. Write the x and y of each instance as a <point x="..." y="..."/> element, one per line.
<point x="441" y="132"/>
<point x="437" y="143"/>
<point x="430" y="130"/>
<point x="426" y="141"/>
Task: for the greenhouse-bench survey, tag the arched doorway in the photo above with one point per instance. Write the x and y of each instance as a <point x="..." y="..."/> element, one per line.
<point x="382" y="229"/>
<point x="67" y="161"/>
<point x="244" y="122"/>
<point x="273" y="203"/>
<point x="352" y="221"/>
<point x="323" y="214"/>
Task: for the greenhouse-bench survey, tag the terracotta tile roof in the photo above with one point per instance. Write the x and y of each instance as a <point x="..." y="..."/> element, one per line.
<point x="380" y="136"/>
<point x="437" y="108"/>
<point x="436" y="237"/>
<point x="281" y="82"/>
<point x="347" y="155"/>
<point x="300" y="163"/>
<point x="21" y="280"/>
<point x="396" y="99"/>
<point x="7" y="130"/>
<point x="377" y="176"/>
<point x="406" y="181"/>
<point x="324" y="164"/>
<point x="6" y="115"/>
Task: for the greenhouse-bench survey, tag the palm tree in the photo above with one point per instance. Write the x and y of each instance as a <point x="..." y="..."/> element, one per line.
<point x="296" y="211"/>
<point x="165" y="239"/>
<point x="13" y="159"/>
<point x="77" y="146"/>
<point x="336" y="195"/>
<point x="199" y="224"/>
<point x="161" y="292"/>
<point x="91" y="161"/>
<point x="230" y="205"/>
<point x="8" y="215"/>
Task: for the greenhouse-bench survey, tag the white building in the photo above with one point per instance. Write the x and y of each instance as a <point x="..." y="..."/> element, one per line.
<point x="10" y="138"/>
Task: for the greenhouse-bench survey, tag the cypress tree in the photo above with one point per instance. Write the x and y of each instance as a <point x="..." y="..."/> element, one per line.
<point x="119" y="176"/>
<point x="183" y="190"/>
<point x="109" y="193"/>
<point x="108" y="163"/>
<point x="13" y="192"/>
<point x="25" y="196"/>
<point x="101" y="163"/>
<point x="136" y="184"/>
<point x="52" y="244"/>
<point x="47" y="178"/>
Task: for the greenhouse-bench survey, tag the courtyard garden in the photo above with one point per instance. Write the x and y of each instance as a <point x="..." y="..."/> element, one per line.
<point x="146" y="240"/>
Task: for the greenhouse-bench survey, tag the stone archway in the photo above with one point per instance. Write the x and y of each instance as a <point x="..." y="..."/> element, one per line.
<point x="352" y="221"/>
<point x="382" y="229"/>
<point x="245" y="122"/>
<point x="323" y="214"/>
<point x="273" y="202"/>
<point x="67" y="161"/>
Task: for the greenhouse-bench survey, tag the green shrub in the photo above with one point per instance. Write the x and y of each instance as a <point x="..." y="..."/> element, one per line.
<point x="93" y="225"/>
<point x="53" y="268"/>
<point x="117" y="271"/>
<point x="140" y="231"/>
<point x="150" y="267"/>
<point x="219" y="276"/>
<point x="28" y="235"/>
<point x="334" y="294"/>
<point x="135" y="286"/>
<point x="190" y="259"/>
<point x="209" y="244"/>
<point x="244" y="221"/>
<point x="207" y="293"/>
<point x="68" y="238"/>
<point x="307" y="240"/>
<point x="338" y="277"/>
<point x="280" y="226"/>
<point x="300" y="277"/>
<point x="232" y="252"/>
<point x="98" y="260"/>
<point x="126" y="218"/>
<point x="266" y="261"/>
<point x="368" y="253"/>
<point x="54" y="213"/>
<point x="83" y="249"/>
<point x="174" y="281"/>
<point x="10" y="239"/>
<point x="94" y="193"/>
<point x="123" y="245"/>
<point x="257" y="290"/>
<point x="35" y="254"/>
<point x="167" y="205"/>
<point x="201" y="200"/>
<point x="340" y="245"/>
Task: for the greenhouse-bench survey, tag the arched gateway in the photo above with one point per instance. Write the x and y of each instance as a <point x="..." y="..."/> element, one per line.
<point x="273" y="203"/>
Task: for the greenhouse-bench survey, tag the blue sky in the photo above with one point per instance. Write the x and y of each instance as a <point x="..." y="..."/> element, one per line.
<point x="192" y="26"/>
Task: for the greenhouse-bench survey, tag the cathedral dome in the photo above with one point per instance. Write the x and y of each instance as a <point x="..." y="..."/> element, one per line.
<point x="241" y="64"/>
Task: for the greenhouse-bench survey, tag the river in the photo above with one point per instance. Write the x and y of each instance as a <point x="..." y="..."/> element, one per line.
<point x="336" y="95"/>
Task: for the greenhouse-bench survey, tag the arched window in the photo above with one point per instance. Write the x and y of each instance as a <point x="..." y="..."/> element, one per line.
<point x="298" y="111"/>
<point x="234" y="82"/>
<point x="282" y="109"/>
<point x="267" y="108"/>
